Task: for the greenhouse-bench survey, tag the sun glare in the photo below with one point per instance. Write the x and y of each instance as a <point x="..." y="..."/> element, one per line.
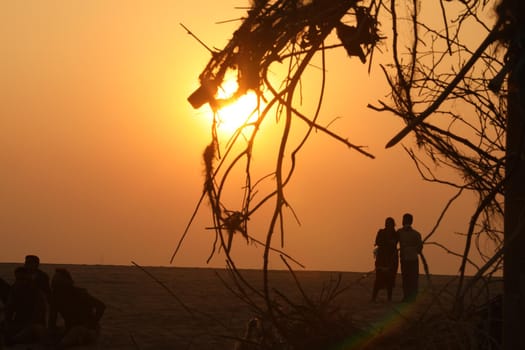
<point x="234" y="115"/>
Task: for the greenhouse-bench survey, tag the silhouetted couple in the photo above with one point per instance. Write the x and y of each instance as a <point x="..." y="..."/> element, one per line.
<point x="387" y="258"/>
<point x="31" y="298"/>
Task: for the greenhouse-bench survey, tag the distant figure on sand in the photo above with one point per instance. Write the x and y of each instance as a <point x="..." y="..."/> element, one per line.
<point x="39" y="277"/>
<point x="386" y="260"/>
<point x="25" y="311"/>
<point x="410" y="246"/>
<point x="80" y="311"/>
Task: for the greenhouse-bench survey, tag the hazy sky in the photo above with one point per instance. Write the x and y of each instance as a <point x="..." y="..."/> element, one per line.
<point x="100" y="152"/>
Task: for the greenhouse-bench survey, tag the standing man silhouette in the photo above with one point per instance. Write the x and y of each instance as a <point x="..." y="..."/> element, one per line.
<point x="410" y="246"/>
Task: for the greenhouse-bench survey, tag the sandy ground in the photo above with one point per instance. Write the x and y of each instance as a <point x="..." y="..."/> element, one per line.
<point x="198" y="312"/>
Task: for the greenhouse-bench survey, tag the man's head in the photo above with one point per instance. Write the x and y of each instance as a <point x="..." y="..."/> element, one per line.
<point x="32" y="262"/>
<point x="407" y="219"/>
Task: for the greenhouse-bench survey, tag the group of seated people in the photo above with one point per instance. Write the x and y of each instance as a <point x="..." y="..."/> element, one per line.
<point x="32" y="305"/>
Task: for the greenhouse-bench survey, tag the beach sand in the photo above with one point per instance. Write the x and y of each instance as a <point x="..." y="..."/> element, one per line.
<point x="203" y="314"/>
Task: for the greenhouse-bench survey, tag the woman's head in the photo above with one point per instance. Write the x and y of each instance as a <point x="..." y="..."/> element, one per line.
<point x="390" y="223"/>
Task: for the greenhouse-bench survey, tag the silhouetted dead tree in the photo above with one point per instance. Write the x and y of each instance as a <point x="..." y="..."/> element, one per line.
<point x="291" y="33"/>
<point x="437" y="69"/>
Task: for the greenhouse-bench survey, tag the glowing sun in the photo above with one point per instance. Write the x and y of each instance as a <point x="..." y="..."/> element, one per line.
<point x="244" y="110"/>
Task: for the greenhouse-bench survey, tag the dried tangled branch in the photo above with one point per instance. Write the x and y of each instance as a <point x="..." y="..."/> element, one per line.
<point x="290" y="33"/>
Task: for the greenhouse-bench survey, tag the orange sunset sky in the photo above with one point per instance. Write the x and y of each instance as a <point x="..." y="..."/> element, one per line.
<point x="101" y="152"/>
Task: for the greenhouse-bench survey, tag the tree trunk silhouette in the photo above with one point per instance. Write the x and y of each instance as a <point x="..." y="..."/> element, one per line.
<point x="514" y="257"/>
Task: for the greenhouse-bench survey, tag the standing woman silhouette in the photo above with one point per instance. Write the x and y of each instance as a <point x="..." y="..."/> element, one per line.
<point x="386" y="259"/>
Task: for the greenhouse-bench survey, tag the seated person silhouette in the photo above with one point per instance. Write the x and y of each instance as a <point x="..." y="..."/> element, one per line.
<point x="25" y="310"/>
<point x="80" y="311"/>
